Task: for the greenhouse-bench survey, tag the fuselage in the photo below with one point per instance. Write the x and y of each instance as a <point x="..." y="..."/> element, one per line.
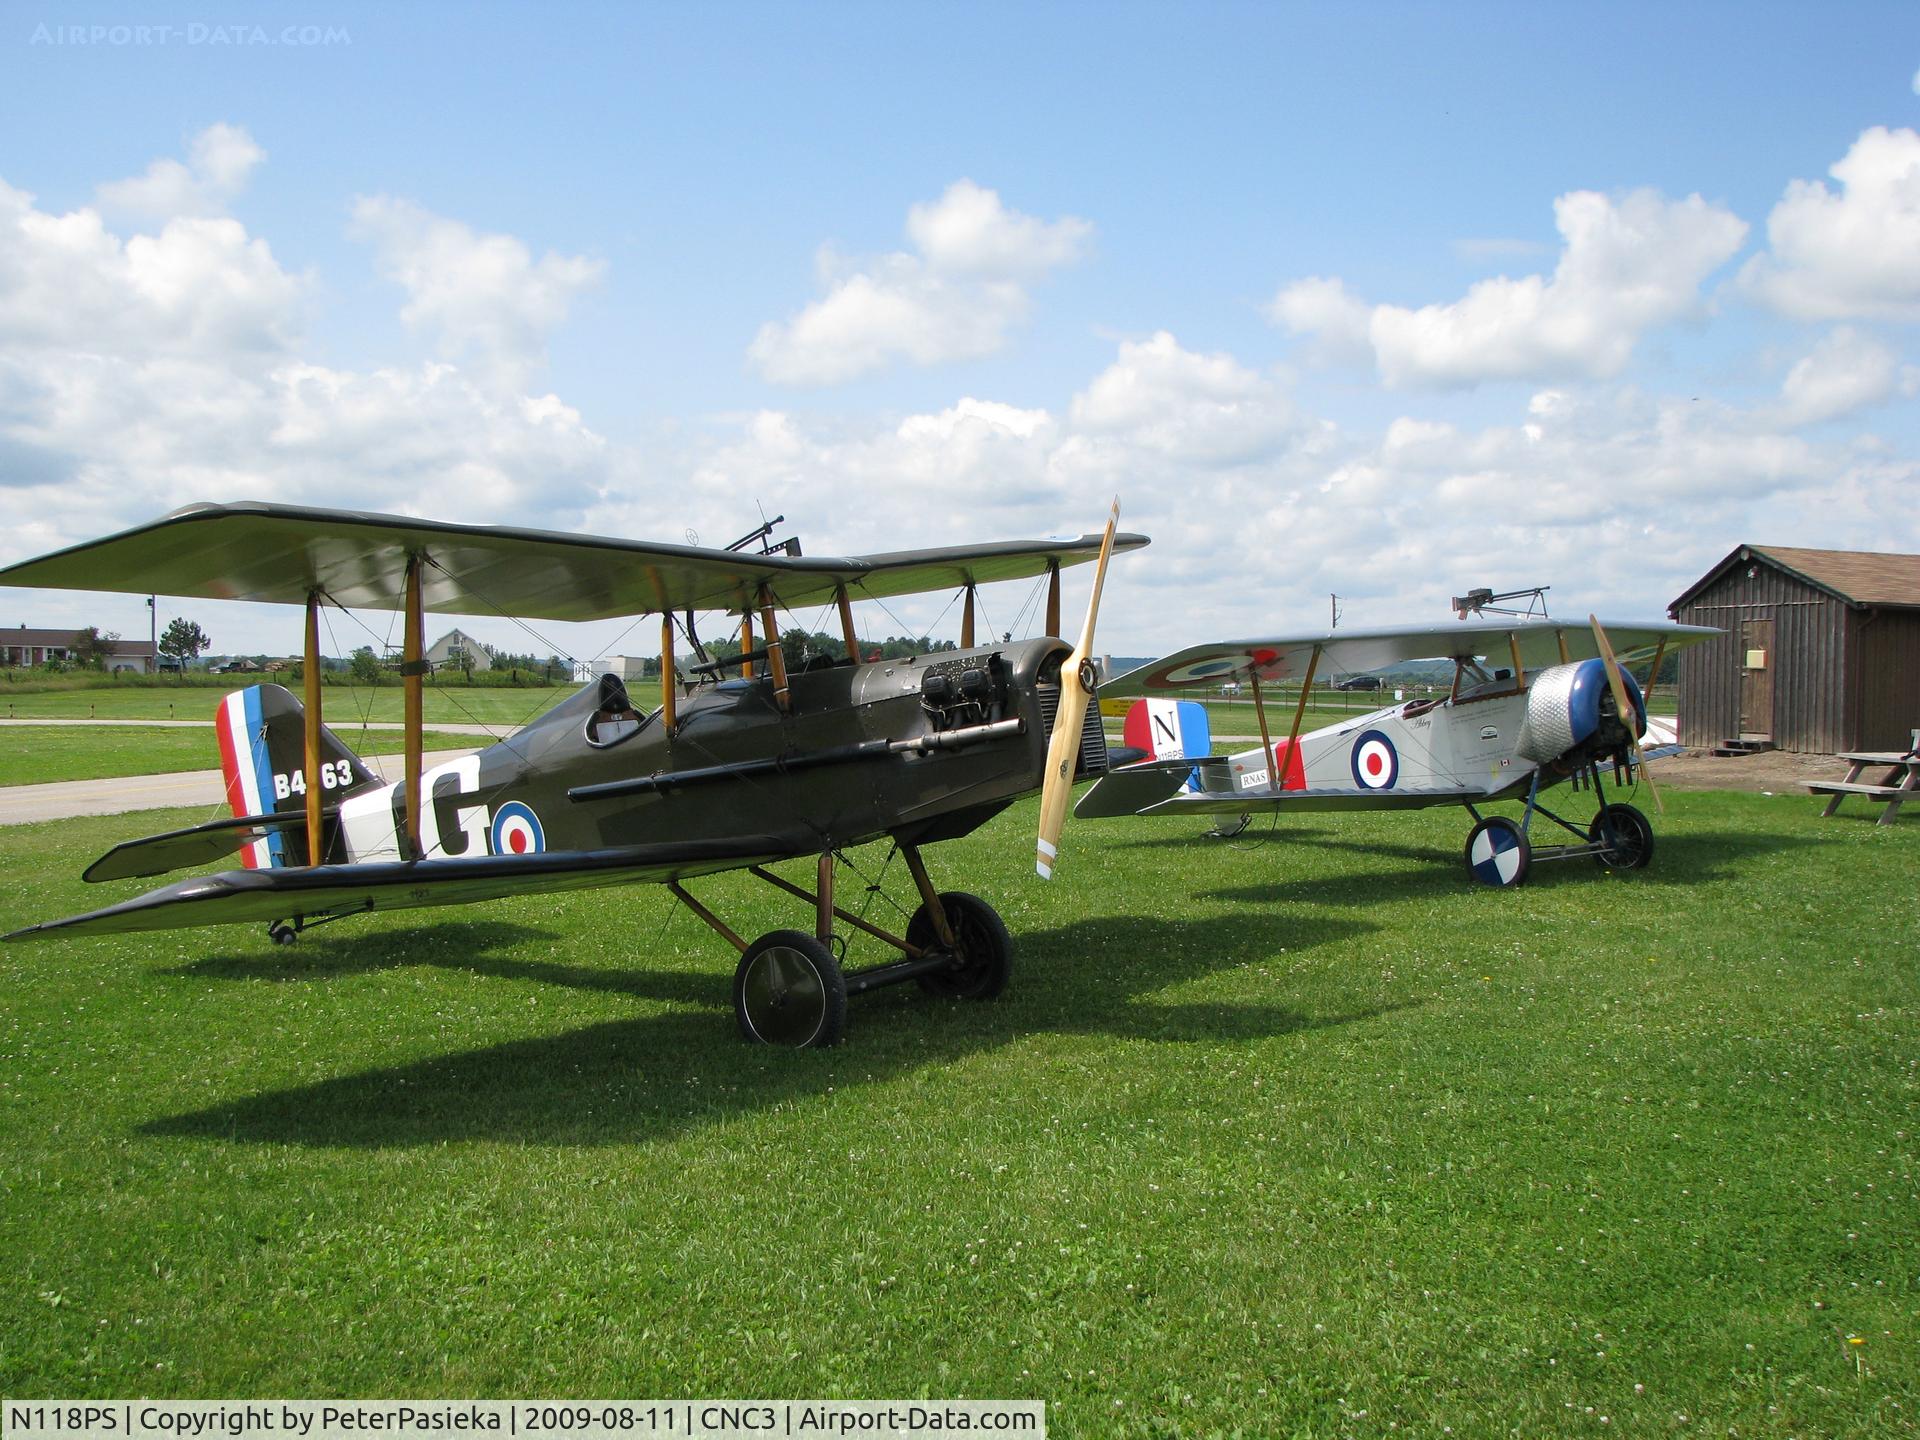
<point x="923" y="748"/>
<point x="1399" y="748"/>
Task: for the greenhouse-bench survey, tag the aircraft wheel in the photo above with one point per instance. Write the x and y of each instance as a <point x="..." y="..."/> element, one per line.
<point x="282" y="933"/>
<point x="1632" y="844"/>
<point x="789" y="990"/>
<point x="985" y="950"/>
<point x="1498" y="852"/>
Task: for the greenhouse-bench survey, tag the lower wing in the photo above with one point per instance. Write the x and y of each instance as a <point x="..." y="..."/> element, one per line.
<point x="329" y="891"/>
<point x="1158" y="789"/>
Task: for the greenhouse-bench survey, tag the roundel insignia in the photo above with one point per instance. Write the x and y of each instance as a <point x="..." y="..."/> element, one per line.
<point x="1212" y="667"/>
<point x="516" y="830"/>
<point x="1376" y="765"/>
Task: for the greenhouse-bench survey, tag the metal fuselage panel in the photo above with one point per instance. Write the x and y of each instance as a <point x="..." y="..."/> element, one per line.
<point x="514" y="796"/>
<point x="1403" y="747"/>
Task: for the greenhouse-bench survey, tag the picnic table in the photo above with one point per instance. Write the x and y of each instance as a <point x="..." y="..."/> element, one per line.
<point x="1901" y="779"/>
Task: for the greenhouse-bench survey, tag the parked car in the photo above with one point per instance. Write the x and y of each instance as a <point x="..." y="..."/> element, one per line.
<point x="1358" y="682"/>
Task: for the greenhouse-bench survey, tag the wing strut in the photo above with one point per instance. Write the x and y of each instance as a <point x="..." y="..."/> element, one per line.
<point x="669" y="675"/>
<point x="412" y="678"/>
<point x="1659" y="654"/>
<point x="776" y="657"/>
<point x="1299" y="714"/>
<point x="312" y="674"/>
<point x="1260" y="711"/>
<point x="1519" y="665"/>
<point x="1053" y="598"/>
<point x="966" y="620"/>
<point x="846" y="624"/>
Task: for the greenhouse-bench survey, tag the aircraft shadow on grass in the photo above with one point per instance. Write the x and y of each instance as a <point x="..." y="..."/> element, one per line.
<point x="624" y="1081"/>
<point x="480" y="947"/>
<point x="1680" y="861"/>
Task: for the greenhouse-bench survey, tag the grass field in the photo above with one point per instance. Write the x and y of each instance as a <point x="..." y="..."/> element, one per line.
<point x="34" y="754"/>
<point x="1313" y="1138"/>
<point x="344" y="706"/>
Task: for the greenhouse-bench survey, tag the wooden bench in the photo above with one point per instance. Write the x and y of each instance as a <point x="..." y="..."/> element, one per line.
<point x="1899" y="783"/>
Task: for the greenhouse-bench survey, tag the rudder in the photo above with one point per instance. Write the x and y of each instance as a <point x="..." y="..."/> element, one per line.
<point x="263" y="741"/>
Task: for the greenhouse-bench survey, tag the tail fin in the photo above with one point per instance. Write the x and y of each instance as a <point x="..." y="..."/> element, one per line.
<point x="263" y="741"/>
<point x="1169" y="730"/>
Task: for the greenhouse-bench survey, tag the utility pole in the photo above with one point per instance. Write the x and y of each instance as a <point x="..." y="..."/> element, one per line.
<point x="1333" y="607"/>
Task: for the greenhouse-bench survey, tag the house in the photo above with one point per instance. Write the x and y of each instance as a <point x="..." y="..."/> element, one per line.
<point x="457" y="650"/>
<point x="1821" y="651"/>
<point x="22" y="648"/>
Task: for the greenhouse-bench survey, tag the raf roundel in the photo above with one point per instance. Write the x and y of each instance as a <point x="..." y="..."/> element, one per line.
<point x="1376" y="764"/>
<point x="516" y="830"/>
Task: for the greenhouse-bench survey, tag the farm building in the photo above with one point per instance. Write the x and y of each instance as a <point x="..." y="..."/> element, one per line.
<point x="458" y="650"/>
<point x="1821" y="654"/>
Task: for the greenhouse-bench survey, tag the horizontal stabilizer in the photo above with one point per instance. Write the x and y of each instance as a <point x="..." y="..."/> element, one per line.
<point x="1133" y="788"/>
<point x="327" y="891"/>
<point x="178" y="849"/>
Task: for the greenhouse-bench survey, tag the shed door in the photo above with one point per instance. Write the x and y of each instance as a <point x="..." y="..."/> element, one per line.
<point x="1756" y="677"/>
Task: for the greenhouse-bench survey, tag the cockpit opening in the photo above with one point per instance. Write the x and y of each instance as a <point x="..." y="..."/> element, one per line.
<point x="614" y="719"/>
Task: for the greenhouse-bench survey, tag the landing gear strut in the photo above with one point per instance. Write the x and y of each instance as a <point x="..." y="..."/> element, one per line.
<point x="1501" y="852"/>
<point x="789" y="988"/>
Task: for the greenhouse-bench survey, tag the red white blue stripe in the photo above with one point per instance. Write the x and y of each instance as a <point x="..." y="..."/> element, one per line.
<point x="248" y="766"/>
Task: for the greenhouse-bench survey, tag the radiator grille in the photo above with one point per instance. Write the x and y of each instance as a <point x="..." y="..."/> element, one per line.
<point x="1093" y="734"/>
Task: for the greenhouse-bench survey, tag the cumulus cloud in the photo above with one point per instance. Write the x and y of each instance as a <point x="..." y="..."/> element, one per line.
<point x="483" y="299"/>
<point x="1845" y="372"/>
<point x="219" y="161"/>
<point x="142" y="374"/>
<point x="954" y="299"/>
<point x="1854" y="253"/>
<point x="1321" y="306"/>
<point x="199" y="286"/>
<point x="1627" y="265"/>
<point x="1206" y="409"/>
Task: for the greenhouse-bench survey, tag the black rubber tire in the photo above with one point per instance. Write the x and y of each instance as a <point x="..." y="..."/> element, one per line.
<point x="1633" y="836"/>
<point x="1485" y="857"/>
<point x="282" y="933"/>
<point x="788" y="990"/>
<point x="980" y="936"/>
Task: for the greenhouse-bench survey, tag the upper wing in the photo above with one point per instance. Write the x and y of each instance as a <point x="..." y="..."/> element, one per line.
<point x="1287" y="657"/>
<point x="257" y="551"/>
<point x="327" y="891"/>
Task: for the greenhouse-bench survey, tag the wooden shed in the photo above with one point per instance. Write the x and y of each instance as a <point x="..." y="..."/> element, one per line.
<point x="1821" y="654"/>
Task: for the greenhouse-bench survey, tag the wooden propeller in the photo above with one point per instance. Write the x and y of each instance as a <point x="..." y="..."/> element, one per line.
<point x="1064" y="749"/>
<point x="1617" y="681"/>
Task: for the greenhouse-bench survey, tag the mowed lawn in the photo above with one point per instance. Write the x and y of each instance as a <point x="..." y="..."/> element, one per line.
<point x="343" y="706"/>
<point x="1311" y="1138"/>
<point x="36" y="754"/>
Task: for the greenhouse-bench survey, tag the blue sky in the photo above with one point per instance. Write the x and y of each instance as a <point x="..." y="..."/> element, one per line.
<point x="928" y="273"/>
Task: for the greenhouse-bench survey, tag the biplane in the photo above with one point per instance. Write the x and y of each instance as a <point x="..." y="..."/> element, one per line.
<point x="754" y="761"/>
<point x="1532" y="704"/>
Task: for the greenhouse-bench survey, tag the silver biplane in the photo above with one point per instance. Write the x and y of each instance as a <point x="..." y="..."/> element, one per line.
<point x="1533" y="703"/>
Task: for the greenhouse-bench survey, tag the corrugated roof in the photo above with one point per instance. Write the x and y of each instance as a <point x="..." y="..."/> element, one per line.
<point x="1863" y="576"/>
